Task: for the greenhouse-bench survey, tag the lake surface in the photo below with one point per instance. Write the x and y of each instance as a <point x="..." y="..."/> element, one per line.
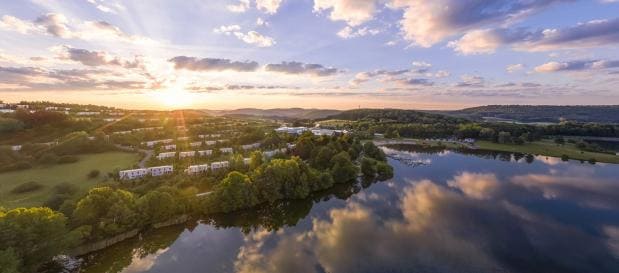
<point x="442" y="212"/>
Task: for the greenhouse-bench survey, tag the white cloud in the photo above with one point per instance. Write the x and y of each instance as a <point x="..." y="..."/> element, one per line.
<point x="512" y="68"/>
<point x="268" y="6"/>
<point x="261" y="22"/>
<point x="353" y="12"/>
<point x="251" y="37"/>
<point x="422" y="64"/>
<point x="349" y="32"/>
<point x="255" y="38"/>
<point x="240" y="7"/>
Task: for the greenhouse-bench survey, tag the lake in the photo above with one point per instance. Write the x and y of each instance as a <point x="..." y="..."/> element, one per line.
<point x="443" y="211"/>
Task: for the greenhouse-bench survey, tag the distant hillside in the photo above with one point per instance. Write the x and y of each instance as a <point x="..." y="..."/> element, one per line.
<point x="395" y="115"/>
<point x="541" y="113"/>
<point x="288" y="113"/>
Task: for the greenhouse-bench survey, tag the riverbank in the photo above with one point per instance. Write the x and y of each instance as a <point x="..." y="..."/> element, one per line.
<point x="542" y="147"/>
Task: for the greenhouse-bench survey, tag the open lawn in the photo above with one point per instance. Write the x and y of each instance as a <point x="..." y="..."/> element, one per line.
<point x="49" y="176"/>
<point x="549" y="148"/>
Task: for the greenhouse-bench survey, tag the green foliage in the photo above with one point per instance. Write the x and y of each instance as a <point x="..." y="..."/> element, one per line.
<point x="373" y="151"/>
<point x="343" y="169"/>
<point x="9" y="125"/>
<point x="9" y="262"/>
<point x="256" y="159"/>
<point x="280" y="179"/>
<point x="67" y="159"/>
<point x="32" y="236"/>
<point x="107" y="211"/>
<point x="504" y="138"/>
<point x="559" y="140"/>
<point x="235" y="192"/>
<point x="368" y="167"/>
<point x="93" y="174"/>
<point x="27" y="187"/>
<point x="157" y="206"/>
<point x="384" y="170"/>
<point x="305" y="146"/>
<point x="48" y="159"/>
<point x="322" y="158"/>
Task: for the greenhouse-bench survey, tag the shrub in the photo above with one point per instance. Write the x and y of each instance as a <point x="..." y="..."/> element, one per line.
<point x="56" y="200"/>
<point x="565" y="158"/>
<point x="368" y="167"/>
<point x="20" y="165"/>
<point x="26" y="187"/>
<point x="93" y="174"/>
<point x="65" y="159"/>
<point x="48" y="158"/>
<point x="66" y="188"/>
<point x="384" y="170"/>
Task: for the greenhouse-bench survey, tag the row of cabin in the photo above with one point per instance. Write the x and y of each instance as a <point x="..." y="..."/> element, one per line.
<point x="250" y="146"/>
<point x="152" y="171"/>
<point x="166" y="155"/>
<point x="196" y="169"/>
<point x="207" y="136"/>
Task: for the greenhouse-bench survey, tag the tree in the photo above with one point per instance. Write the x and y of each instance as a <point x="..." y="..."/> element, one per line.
<point x="559" y="140"/>
<point x="156" y="206"/>
<point x="373" y="151"/>
<point x="384" y="170"/>
<point x="281" y="179"/>
<point x="32" y="236"/>
<point x="504" y="137"/>
<point x="368" y="167"/>
<point x="305" y="146"/>
<point x="9" y="262"/>
<point x="107" y="211"/>
<point x="322" y="159"/>
<point x="343" y="169"/>
<point x="256" y="159"/>
<point x="235" y="192"/>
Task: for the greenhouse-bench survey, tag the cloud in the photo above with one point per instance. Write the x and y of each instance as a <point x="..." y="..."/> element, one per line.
<point x="57" y="25"/>
<point x="240" y="7"/>
<point x="471" y="81"/>
<point x="426" y="23"/>
<point x="476" y="185"/>
<point x="353" y="12"/>
<point x="422" y="64"/>
<point x="268" y="6"/>
<point x="594" y="33"/>
<point x="212" y="64"/>
<point x="317" y="70"/>
<point x="251" y="37"/>
<point x="366" y="76"/>
<point x="107" y="6"/>
<point x="348" y="32"/>
<point x="512" y="68"/>
<point x="94" y="58"/>
<point x="414" y="82"/>
<point x="578" y="65"/>
<point x="583" y="190"/>
<point x="255" y="38"/>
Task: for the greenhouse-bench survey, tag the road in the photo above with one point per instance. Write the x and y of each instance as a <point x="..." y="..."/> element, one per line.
<point x="147" y="153"/>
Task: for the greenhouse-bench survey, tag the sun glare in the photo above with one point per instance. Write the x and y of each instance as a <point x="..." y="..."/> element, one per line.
<point x="174" y="98"/>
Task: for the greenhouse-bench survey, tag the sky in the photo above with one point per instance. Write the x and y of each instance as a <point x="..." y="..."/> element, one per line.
<point x="337" y="54"/>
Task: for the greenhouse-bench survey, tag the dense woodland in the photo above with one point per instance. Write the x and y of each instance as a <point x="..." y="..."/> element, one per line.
<point x="542" y="113"/>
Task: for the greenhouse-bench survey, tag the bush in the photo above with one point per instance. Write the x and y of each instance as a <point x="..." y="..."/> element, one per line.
<point x="27" y="187"/>
<point x="20" y="165"/>
<point x="368" y="167"/>
<point x="384" y="170"/>
<point x="93" y="174"/>
<point x="65" y="159"/>
<point x="56" y="200"/>
<point x="565" y="158"/>
<point x="48" y="158"/>
<point x="66" y="188"/>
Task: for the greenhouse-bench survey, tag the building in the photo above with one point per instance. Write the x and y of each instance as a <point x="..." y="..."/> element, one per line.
<point x="226" y="150"/>
<point x="166" y="141"/>
<point x="195" y="144"/>
<point x="291" y="145"/>
<point x="121" y="133"/>
<point x="170" y="147"/>
<point x="202" y="136"/>
<point x="327" y="132"/>
<point x="251" y="146"/>
<point x="161" y="170"/>
<point x="163" y="156"/>
<point x="132" y="174"/>
<point x="219" y="165"/>
<point x="16" y="148"/>
<point x="5" y="111"/>
<point x="187" y="154"/>
<point x="246" y="161"/>
<point x="87" y="113"/>
<point x="51" y="108"/>
<point x="23" y="106"/>
<point x="205" y="153"/>
<point x="292" y="130"/>
<point x="196" y="169"/>
<point x="210" y="142"/>
<point x="182" y="138"/>
<point x="222" y="140"/>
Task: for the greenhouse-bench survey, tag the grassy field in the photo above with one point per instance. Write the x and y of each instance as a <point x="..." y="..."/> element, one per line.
<point x="549" y="148"/>
<point x="49" y="176"/>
